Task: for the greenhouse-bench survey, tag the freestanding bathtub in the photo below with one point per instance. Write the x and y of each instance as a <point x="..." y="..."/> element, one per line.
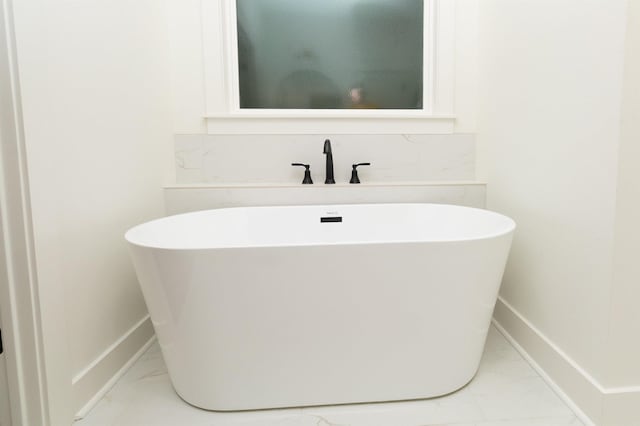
<point x="268" y="307"/>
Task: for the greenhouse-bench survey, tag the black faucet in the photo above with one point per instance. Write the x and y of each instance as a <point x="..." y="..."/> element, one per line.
<point x="354" y="172"/>
<point x="307" y="173"/>
<point x="327" y="150"/>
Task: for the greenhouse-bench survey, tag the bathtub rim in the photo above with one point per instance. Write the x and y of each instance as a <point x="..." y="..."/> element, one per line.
<point x="510" y="228"/>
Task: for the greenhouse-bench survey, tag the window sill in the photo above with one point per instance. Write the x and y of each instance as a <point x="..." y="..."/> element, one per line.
<point x="329" y="122"/>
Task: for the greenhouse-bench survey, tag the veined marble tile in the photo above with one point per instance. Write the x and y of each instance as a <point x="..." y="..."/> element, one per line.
<point x="454" y="408"/>
<point x="505" y="392"/>
<point x="500" y="358"/>
<point x="561" y="421"/>
<point x="501" y="396"/>
<point x="182" y="200"/>
<point x="224" y="159"/>
<point x="497" y="343"/>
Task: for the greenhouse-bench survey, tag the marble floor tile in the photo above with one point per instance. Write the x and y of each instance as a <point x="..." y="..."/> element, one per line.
<point x="545" y="421"/>
<point x="458" y="407"/>
<point x="551" y="421"/>
<point x="505" y="392"/>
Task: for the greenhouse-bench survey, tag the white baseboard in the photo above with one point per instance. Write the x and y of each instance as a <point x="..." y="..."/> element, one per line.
<point x="552" y="384"/>
<point x="93" y="382"/>
<point x="593" y="403"/>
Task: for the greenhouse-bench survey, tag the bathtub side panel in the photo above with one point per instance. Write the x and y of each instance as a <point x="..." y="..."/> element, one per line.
<point x="256" y="328"/>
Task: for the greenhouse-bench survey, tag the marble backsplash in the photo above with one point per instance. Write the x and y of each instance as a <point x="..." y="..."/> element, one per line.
<point x="265" y="159"/>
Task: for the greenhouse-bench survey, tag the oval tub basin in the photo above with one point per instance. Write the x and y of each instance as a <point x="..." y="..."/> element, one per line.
<point x="267" y="307"/>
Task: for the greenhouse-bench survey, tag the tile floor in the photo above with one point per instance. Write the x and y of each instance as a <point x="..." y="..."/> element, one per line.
<point x="505" y="392"/>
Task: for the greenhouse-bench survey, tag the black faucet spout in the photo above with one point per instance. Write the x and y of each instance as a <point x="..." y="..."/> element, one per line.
<point x="327" y="147"/>
<point x="327" y="151"/>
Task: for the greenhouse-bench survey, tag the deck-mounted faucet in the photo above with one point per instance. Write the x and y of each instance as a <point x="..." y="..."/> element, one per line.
<point x="327" y="150"/>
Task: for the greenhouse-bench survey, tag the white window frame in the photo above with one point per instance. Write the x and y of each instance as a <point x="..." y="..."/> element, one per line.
<point x="222" y="100"/>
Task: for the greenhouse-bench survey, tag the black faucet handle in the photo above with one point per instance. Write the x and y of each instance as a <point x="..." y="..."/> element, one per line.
<point x="354" y="172"/>
<point x="307" y="173"/>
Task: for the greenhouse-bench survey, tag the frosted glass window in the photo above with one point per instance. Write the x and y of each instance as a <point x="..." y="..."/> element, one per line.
<point x="330" y="54"/>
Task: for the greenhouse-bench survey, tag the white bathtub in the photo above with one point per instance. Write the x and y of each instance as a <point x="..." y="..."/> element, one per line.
<point x="266" y="307"/>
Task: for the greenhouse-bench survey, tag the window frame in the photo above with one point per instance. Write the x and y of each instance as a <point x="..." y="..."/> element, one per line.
<point x="222" y="87"/>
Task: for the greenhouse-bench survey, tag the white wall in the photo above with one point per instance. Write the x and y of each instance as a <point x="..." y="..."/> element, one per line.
<point x="95" y="96"/>
<point x="466" y="65"/>
<point x="184" y="19"/>
<point x="623" y="344"/>
<point x="549" y="141"/>
<point x="625" y="353"/>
